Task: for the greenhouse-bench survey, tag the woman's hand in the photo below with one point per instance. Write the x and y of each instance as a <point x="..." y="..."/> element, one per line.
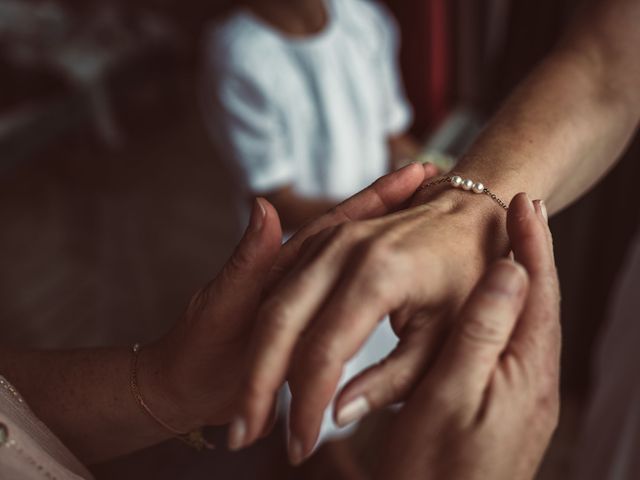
<point x="490" y="403"/>
<point x="192" y="377"/>
<point x="418" y="265"/>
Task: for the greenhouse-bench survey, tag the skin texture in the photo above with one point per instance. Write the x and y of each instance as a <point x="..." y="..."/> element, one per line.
<point x="85" y="398"/>
<point x="559" y="132"/>
<point x="488" y="407"/>
<point x="192" y="376"/>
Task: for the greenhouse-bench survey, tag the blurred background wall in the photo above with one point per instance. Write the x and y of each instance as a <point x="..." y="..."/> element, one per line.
<point x="114" y="207"/>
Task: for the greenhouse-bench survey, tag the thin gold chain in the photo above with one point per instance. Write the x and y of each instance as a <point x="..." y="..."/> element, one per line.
<point x="194" y="439"/>
<point x="486" y="191"/>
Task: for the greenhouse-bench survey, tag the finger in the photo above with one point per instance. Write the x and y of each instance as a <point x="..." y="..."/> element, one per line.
<point x="392" y="380"/>
<point x="430" y="170"/>
<point x="248" y="267"/>
<point x="338" y="332"/>
<point x="349" y="316"/>
<point x="530" y="236"/>
<point x="282" y="319"/>
<point x="537" y="336"/>
<point x="473" y="350"/>
<point x="385" y="195"/>
<point x="272" y="419"/>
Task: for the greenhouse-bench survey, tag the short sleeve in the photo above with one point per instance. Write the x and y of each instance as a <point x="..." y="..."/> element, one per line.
<point x="243" y="120"/>
<point x="398" y="111"/>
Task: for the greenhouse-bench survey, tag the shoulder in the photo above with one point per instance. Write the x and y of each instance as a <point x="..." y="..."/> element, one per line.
<point x="240" y="45"/>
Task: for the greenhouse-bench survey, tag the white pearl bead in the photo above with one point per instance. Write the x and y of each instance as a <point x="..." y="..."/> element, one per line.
<point x="478" y="187"/>
<point x="467" y="184"/>
<point x="456" y="181"/>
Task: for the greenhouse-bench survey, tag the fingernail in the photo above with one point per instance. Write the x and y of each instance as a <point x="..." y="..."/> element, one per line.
<point x="258" y="215"/>
<point x="237" y="433"/>
<point x="296" y="452"/>
<point x="353" y="411"/>
<point x="505" y="279"/>
<point x="530" y="206"/>
<point x="541" y="209"/>
<point x="408" y="165"/>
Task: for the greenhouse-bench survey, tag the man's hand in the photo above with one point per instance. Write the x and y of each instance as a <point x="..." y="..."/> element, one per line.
<point x="489" y="405"/>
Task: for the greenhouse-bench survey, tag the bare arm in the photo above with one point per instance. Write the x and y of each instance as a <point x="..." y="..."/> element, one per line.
<point x="190" y="377"/>
<point x="187" y="378"/>
<point x="84" y="397"/>
<point x="568" y="123"/>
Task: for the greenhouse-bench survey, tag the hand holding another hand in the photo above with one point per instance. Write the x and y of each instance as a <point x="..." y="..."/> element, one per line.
<point x="418" y="265"/>
<point x="193" y="376"/>
<point x="490" y="403"/>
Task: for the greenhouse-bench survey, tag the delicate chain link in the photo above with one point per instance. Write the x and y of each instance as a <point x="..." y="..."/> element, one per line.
<point x="486" y="191"/>
<point x="194" y="439"/>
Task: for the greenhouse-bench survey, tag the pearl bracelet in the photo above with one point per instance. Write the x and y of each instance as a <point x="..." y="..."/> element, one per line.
<point x="469" y="185"/>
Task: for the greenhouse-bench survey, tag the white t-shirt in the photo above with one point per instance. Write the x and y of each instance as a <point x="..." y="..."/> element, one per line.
<point x="312" y="112"/>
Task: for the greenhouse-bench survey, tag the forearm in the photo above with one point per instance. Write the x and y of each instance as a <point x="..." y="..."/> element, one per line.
<point x="84" y="397"/>
<point x="567" y="124"/>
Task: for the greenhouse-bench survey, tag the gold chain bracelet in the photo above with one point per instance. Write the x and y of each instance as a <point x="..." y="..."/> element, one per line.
<point x="194" y="439"/>
<point x="469" y="185"/>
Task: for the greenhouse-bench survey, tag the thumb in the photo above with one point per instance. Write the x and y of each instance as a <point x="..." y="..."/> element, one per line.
<point x="384" y="196"/>
<point x="483" y="331"/>
<point x="242" y="278"/>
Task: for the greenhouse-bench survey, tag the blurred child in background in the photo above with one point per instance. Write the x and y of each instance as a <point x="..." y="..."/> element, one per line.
<point x="304" y="99"/>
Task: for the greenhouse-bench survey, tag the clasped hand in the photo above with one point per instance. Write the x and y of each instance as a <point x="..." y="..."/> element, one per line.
<point x="472" y="373"/>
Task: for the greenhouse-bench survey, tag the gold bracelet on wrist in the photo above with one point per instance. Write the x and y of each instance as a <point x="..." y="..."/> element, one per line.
<point x="468" y="185"/>
<point x="194" y="439"/>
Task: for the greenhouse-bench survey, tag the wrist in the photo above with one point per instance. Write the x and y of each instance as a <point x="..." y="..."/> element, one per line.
<point x="444" y="194"/>
<point x="491" y="167"/>
<point x="162" y="392"/>
<point x="480" y="217"/>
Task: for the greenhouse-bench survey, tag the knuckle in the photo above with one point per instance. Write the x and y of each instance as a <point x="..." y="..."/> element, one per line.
<point x="484" y="327"/>
<point x="317" y="354"/>
<point x="373" y="285"/>
<point x="379" y="252"/>
<point x="378" y="262"/>
<point x="275" y="314"/>
<point x="241" y="259"/>
<point x="310" y="242"/>
<point x="347" y="232"/>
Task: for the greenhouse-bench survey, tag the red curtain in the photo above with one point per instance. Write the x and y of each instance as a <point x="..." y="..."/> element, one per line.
<point x="426" y="58"/>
